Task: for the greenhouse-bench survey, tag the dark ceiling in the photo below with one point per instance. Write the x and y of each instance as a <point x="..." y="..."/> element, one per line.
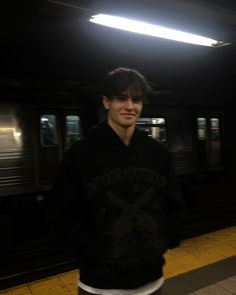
<point x="53" y="41"/>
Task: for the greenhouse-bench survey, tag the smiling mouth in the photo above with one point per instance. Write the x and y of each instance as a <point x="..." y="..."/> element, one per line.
<point x="128" y="114"/>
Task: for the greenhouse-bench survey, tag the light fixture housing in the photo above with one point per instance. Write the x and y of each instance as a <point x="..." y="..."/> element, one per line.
<point x="135" y="26"/>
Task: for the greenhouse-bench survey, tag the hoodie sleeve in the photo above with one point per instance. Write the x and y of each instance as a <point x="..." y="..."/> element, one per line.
<point x="70" y="217"/>
<point x="174" y="207"/>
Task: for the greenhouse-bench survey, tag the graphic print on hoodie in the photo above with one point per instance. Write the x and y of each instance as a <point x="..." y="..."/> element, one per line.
<point x="129" y="203"/>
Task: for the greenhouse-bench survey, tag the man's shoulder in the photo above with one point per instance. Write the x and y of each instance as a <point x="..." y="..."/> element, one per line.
<point x="156" y="143"/>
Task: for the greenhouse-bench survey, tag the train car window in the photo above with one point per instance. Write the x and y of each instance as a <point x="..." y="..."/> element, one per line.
<point x="48" y="130"/>
<point x="201" y="128"/>
<point x="215" y="129"/>
<point x="209" y="138"/>
<point x="156" y="127"/>
<point x="73" y="129"/>
<point x="215" y="141"/>
<point x="202" y="142"/>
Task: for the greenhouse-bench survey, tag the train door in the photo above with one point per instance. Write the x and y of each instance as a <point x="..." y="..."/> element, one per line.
<point x="209" y="127"/>
<point x="58" y="129"/>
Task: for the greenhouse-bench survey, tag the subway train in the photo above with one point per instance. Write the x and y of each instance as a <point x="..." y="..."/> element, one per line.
<point x="52" y="61"/>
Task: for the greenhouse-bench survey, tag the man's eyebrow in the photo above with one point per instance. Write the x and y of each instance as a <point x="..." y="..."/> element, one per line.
<point x="129" y="95"/>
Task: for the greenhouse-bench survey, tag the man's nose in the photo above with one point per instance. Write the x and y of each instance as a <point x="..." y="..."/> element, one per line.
<point x="129" y="103"/>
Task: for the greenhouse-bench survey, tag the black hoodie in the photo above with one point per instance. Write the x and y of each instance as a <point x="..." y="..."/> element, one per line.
<point x="118" y="208"/>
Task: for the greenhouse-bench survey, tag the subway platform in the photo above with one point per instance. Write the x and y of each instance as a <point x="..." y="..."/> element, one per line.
<point x="203" y="265"/>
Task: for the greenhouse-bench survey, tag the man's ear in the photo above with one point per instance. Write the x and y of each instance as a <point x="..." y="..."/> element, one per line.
<point x="106" y="102"/>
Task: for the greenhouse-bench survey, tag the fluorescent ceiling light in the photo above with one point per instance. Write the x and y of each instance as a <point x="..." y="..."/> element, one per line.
<point x="153" y="30"/>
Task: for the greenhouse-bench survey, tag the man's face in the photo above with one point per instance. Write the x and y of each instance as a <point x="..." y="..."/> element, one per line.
<point x="123" y="110"/>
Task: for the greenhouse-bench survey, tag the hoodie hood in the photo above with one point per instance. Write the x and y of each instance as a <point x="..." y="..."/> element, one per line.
<point x="102" y="133"/>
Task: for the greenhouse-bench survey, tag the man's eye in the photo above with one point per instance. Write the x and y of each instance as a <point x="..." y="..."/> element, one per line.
<point x="122" y="97"/>
<point x="137" y="99"/>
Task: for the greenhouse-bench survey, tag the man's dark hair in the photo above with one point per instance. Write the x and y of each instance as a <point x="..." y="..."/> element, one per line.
<point x="122" y="79"/>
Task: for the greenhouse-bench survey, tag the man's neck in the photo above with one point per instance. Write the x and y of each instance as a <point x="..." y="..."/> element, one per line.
<point x="125" y="133"/>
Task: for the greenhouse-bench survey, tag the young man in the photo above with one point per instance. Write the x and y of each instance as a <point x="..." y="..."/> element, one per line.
<point x="119" y="198"/>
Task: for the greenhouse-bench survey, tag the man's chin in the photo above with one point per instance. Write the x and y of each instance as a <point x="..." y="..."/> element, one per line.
<point x="128" y="124"/>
